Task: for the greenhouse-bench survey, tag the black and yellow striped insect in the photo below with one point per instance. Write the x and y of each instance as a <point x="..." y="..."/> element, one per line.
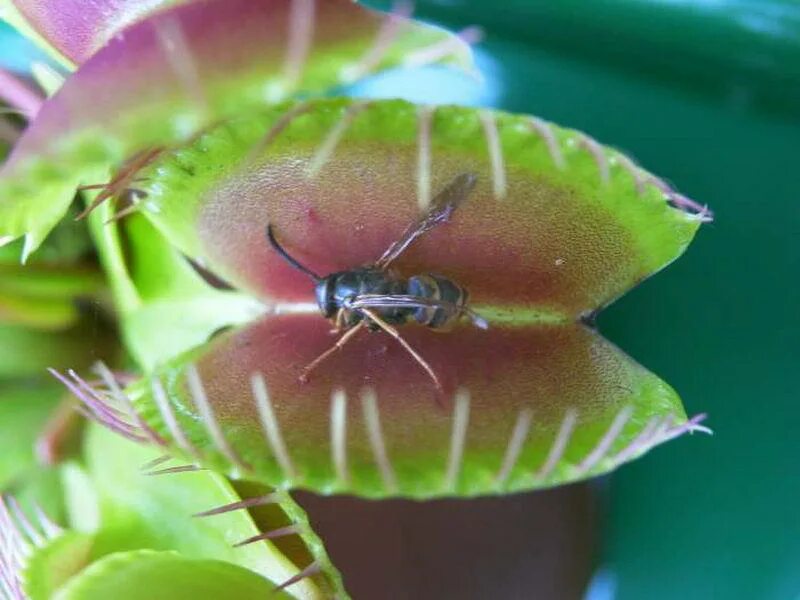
<point x="377" y="297"/>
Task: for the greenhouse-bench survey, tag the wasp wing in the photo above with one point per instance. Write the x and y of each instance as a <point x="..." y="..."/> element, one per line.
<point x="409" y="301"/>
<point x="442" y="206"/>
<point x="397" y="301"/>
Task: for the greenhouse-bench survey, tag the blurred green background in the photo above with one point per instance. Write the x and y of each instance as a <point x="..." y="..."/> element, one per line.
<point x="707" y="94"/>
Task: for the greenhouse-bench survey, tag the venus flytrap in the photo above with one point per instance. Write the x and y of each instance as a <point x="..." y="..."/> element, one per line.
<point x="191" y="129"/>
<point x="557" y="227"/>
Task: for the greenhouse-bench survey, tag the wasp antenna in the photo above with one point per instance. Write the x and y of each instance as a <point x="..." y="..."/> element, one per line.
<point x="287" y="257"/>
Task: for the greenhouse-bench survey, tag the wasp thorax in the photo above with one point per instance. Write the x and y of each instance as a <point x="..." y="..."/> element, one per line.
<point x="337" y="290"/>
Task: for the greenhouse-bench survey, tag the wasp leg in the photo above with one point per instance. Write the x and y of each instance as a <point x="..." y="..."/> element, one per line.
<point x="337" y="346"/>
<point x="338" y="321"/>
<point x="396" y="335"/>
<point x="120" y="181"/>
<point x="134" y="206"/>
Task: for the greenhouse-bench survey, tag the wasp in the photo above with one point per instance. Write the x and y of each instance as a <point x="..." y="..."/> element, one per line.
<point x="379" y="298"/>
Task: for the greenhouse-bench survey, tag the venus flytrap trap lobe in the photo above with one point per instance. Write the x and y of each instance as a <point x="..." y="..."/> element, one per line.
<point x="173" y="74"/>
<point x="542" y="398"/>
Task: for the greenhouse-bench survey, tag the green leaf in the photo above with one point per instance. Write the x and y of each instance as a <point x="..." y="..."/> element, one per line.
<point x="51" y="565"/>
<point x="150" y="575"/>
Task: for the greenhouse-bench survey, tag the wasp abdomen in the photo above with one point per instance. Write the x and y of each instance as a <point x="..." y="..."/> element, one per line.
<point x="436" y="287"/>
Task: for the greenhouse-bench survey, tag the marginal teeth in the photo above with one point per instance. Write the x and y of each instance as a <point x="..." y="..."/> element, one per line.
<point x="424" y="56"/>
<point x="599" y="154"/>
<point x="325" y="151"/>
<point x="49" y="528"/>
<point x="339" y="437"/>
<point x="457" y="439"/>
<point x="270" y="535"/>
<point x="545" y="131"/>
<point x="170" y="420"/>
<point x="372" y="422"/>
<point x="302" y="19"/>
<point x="173" y="470"/>
<point x="606" y="160"/>
<point x="499" y="182"/>
<point x="271" y="428"/>
<point x="122" y="399"/>
<point x="26" y="526"/>
<point x="241" y="505"/>
<point x="515" y="444"/>
<point x="156" y="462"/>
<point x="97" y="406"/>
<point x="559" y="445"/>
<point x="641" y="442"/>
<point x="689" y="426"/>
<point x="391" y="27"/>
<point x="606" y="441"/>
<point x="640" y="178"/>
<point x="313" y="569"/>
<point x="19" y="534"/>
<point x="209" y="418"/>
